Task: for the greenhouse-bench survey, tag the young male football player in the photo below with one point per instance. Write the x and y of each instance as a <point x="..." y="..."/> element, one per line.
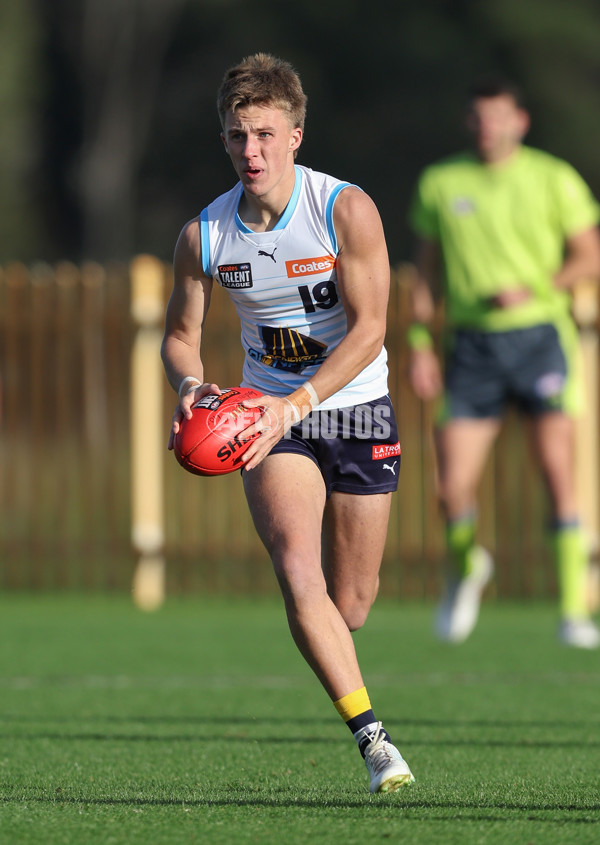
<point x="511" y="229"/>
<point x="304" y="260"/>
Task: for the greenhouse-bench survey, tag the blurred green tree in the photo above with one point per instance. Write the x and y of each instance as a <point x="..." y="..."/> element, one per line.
<point x="110" y="138"/>
<point x="21" y="99"/>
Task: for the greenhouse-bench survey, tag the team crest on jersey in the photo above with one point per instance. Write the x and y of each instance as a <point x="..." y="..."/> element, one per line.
<point x="235" y="275"/>
<point x="288" y="349"/>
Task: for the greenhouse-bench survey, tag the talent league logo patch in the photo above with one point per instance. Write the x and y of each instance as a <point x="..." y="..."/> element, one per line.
<point x="309" y="266"/>
<point x="386" y="450"/>
<point x="235" y="275"/>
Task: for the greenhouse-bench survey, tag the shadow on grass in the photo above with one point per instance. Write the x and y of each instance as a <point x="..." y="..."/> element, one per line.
<point x="231" y="721"/>
<point x="371" y="803"/>
<point x="236" y="730"/>
<point x="101" y="736"/>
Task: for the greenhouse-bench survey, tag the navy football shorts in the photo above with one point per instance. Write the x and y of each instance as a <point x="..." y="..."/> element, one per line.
<point x="486" y="371"/>
<point x="356" y="448"/>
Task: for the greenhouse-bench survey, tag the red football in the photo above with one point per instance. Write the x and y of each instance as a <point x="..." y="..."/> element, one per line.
<point x="208" y="443"/>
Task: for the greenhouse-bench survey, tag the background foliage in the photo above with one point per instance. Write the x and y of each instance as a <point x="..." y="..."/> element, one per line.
<point x="109" y="139"/>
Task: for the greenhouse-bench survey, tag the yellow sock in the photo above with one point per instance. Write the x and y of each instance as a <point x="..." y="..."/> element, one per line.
<point x="460" y="539"/>
<point x="571" y="566"/>
<point x="352" y="705"/>
<point x="355" y="710"/>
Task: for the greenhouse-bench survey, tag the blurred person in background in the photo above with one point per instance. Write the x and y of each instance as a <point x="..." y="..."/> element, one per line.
<point x="504" y="232"/>
<point x="303" y="257"/>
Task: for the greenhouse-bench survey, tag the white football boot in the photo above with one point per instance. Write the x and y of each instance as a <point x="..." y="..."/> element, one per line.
<point x="458" y="611"/>
<point x="387" y="768"/>
<point x="579" y="633"/>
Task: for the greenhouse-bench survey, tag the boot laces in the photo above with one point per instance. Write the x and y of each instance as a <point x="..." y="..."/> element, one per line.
<point x="378" y="751"/>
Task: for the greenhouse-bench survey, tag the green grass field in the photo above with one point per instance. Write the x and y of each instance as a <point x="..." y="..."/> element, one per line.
<point x="201" y="724"/>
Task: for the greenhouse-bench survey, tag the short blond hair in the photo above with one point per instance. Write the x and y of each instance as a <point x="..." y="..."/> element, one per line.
<point x="264" y="80"/>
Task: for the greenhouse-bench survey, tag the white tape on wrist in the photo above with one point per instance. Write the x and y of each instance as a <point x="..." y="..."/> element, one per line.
<point x="184" y="382"/>
<point x="314" y="397"/>
<point x="295" y="410"/>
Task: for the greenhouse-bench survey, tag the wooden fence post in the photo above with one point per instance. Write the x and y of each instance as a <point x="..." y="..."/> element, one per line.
<point x="585" y="310"/>
<point x="147" y="436"/>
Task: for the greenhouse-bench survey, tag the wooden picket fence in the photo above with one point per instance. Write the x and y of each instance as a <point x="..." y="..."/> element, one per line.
<point x="68" y="337"/>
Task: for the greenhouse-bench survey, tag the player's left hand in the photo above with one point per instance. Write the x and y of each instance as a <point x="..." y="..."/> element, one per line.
<point x="276" y="420"/>
<point x="510" y="298"/>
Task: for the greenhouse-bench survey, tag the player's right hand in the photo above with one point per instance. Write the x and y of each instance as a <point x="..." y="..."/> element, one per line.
<point x="184" y="408"/>
<point x="277" y="418"/>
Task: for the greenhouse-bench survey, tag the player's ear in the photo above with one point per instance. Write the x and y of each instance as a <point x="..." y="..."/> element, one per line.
<point x="295" y="138"/>
<point x="224" y="139"/>
<point x="524" y="122"/>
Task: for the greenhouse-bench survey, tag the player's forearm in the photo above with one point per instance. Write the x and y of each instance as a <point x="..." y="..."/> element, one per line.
<point x="582" y="260"/>
<point x="359" y="348"/>
<point x="422" y="305"/>
<point x="424" y="285"/>
<point x="575" y="269"/>
<point x="421" y="314"/>
<point x="180" y="360"/>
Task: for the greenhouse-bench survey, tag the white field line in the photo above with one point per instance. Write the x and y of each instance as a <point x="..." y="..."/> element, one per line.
<point x="432" y="679"/>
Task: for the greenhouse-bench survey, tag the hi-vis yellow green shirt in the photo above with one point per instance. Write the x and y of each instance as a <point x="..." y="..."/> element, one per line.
<point x="499" y="227"/>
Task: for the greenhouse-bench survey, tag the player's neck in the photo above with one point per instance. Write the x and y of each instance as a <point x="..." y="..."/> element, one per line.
<point x="258" y="216"/>
<point x="262" y="213"/>
<point x="501" y="158"/>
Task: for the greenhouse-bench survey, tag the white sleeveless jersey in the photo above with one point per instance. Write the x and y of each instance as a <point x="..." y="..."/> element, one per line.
<point x="284" y="287"/>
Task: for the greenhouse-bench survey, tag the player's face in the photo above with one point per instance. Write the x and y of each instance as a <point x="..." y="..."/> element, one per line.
<point x="261" y="145"/>
<point x="497" y="126"/>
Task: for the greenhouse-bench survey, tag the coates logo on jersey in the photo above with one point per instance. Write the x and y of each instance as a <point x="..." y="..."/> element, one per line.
<point x="386" y="450"/>
<point x="235" y="275"/>
<point x="309" y="266"/>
